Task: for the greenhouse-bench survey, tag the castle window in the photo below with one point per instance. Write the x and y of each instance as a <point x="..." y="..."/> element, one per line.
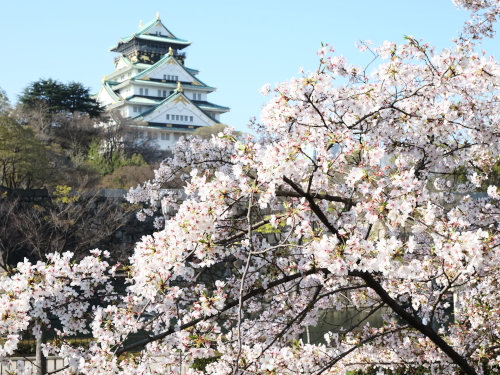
<point x="146" y="92"/>
<point x="164" y="93"/>
<point x="168" y="117"/>
<point x="199" y="96"/>
<point x="194" y="96"/>
<point x="159" y="92"/>
<point x="141" y="91"/>
<point x="164" y="76"/>
<point x="135" y="109"/>
<point x="182" y="118"/>
<point x="191" y="118"/>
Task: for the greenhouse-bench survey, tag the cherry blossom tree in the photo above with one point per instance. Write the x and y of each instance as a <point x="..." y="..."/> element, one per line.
<point x="358" y="193"/>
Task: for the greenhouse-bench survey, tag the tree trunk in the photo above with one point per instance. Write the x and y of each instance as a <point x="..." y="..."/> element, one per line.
<point x="41" y="361"/>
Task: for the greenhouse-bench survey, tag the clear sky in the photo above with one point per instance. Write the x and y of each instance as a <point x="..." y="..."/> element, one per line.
<point x="237" y="45"/>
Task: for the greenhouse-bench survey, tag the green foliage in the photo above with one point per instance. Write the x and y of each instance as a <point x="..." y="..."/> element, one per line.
<point x="28" y="347"/>
<point x="106" y="161"/>
<point x="200" y="364"/>
<point x="268" y="228"/>
<point x="60" y="97"/>
<point x="63" y="194"/>
<point x="4" y="102"/>
<point x="23" y="158"/>
<point x="128" y="176"/>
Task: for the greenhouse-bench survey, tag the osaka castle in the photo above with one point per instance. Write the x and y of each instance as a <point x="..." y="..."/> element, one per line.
<point x="152" y="86"/>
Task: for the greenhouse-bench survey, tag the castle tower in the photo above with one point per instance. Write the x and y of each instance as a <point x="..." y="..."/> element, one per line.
<point x="152" y="86"/>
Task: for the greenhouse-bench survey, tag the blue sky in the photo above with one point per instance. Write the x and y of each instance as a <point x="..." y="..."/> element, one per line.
<point x="237" y="45"/>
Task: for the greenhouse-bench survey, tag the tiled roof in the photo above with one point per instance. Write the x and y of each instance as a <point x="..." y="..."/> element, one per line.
<point x="167" y="100"/>
<point x="141" y="100"/>
<point x="205" y="104"/>
<point x="142" y="34"/>
<point x="160" y="62"/>
<point x="110" y="91"/>
<point x="159" y="105"/>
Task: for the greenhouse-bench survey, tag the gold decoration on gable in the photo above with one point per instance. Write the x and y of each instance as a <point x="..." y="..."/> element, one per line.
<point x="196" y="83"/>
<point x="180" y="99"/>
<point x="146" y="79"/>
<point x="171" y="61"/>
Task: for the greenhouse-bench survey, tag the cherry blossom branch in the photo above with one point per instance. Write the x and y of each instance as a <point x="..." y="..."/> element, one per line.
<point x="255" y="292"/>
<point x="314" y="207"/>
<point x="415" y="322"/>
<point x="362" y="342"/>
<point x="243" y="279"/>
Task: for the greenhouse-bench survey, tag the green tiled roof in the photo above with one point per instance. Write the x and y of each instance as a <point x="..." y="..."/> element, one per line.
<point x="192" y="71"/>
<point x="141" y="34"/>
<point x="169" y="128"/>
<point x="167" y="100"/>
<point x="174" y="85"/>
<point x="158" y="38"/>
<point x="110" y="91"/>
<point x="159" y="105"/>
<point x="141" y="100"/>
<point x="209" y="105"/>
<point x="151" y="24"/>
<point x="160" y="62"/>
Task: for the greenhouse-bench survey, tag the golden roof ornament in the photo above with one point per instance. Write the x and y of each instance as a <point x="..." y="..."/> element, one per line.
<point x="140" y="23"/>
<point x="158" y="16"/>
<point x="170" y="51"/>
<point x="179" y="88"/>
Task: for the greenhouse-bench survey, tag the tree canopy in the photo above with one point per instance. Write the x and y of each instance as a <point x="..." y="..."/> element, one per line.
<point x="23" y="158"/>
<point x="356" y="174"/>
<point x="60" y="97"/>
<point x="4" y="102"/>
